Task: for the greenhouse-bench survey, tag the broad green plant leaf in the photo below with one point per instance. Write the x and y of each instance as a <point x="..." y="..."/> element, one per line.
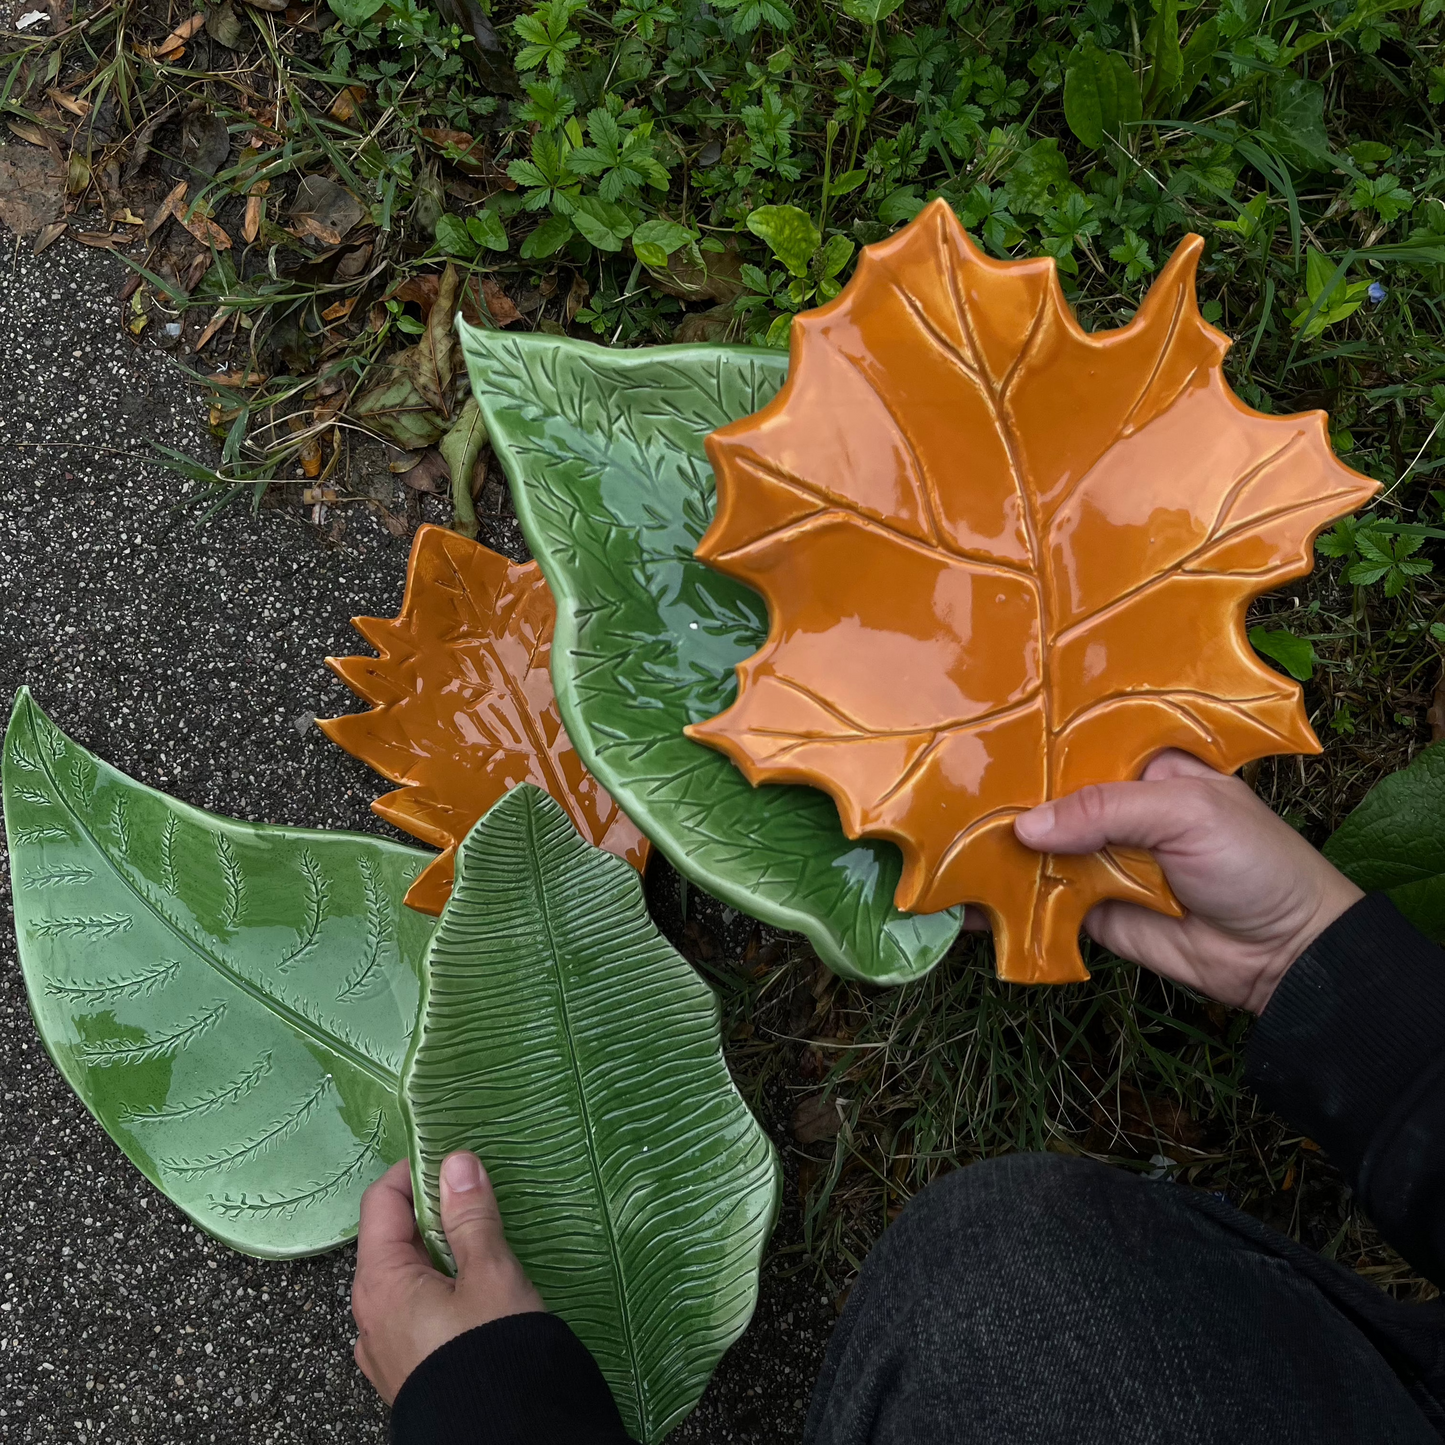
<point x="1395" y="841"/>
<point x="604" y="450"/>
<point x="788" y="233"/>
<point x="564" y="1041"/>
<point x="1101" y="95"/>
<point x="1295" y="654"/>
<point x="869" y="12"/>
<point x="355" y="12"/>
<point x="233" y="1002"/>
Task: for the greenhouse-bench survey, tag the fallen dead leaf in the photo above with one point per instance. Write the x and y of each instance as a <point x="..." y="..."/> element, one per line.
<point x="429" y="473"/>
<point x="212" y="326"/>
<point x="31" y="190"/>
<point x="255" y="210"/>
<point x="69" y="102"/>
<point x="167" y="208"/>
<point x="500" y="305"/>
<point x="577" y="293"/>
<point x="340" y="310"/>
<point x="465" y="152"/>
<point x="174" y="45"/>
<point x="34" y="135"/>
<point x="208" y="233"/>
<point x="236" y="378"/>
<point x="348" y="103"/>
<point x="48" y="234"/>
<point x="816" y="1118"/>
<point x="104" y="239"/>
<point x="309" y="226"/>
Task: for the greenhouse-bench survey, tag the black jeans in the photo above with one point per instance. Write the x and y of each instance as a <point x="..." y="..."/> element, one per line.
<point x="1044" y="1299"/>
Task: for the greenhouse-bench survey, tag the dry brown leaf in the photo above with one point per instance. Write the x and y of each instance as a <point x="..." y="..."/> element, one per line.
<point x="255" y="209"/>
<point x="236" y="378"/>
<point x="48" y="235"/>
<point x="499" y="304"/>
<point x="217" y="321"/>
<point x="167" y="207"/>
<point x="463" y="708"/>
<point x="174" y="45"/>
<point x="35" y="135"/>
<point x="102" y="239"/>
<point x="309" y="226"/>
<point x="1005" y="559"/>
<point x="32" y="187"/>
<point x="206" y="231"/>
<point x="465" y="152"/>
<point x="69" y="102"/>
<point x="340" y="310"/>
<point x="348" y="103"/>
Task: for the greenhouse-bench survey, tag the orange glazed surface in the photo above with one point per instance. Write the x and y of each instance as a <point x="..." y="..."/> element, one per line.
<point x="463" y="708"/>
<point x="1004" y="558"/>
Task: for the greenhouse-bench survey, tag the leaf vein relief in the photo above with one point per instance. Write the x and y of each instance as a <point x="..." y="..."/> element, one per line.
<point x="1004" y="558"/>
<point x="295" y="1017"/>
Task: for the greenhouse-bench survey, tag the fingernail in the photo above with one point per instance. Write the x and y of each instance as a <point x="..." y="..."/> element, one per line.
<point x="462" y="1173"/>
<point x="1036" y="823"/>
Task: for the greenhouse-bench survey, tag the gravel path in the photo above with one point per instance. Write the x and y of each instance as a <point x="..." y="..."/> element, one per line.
<point x="186" y="659"/>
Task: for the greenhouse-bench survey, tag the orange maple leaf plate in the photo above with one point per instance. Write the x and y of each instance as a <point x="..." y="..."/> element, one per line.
<point x="463" y="708"/>
<point x="1004" y="558"/>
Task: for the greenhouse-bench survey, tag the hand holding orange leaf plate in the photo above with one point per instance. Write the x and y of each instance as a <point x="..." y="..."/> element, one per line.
<point x="1004" y="559"/>
<point x="463" y="709"/>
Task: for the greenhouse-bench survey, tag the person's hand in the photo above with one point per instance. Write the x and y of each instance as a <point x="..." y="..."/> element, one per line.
<point x="1258" y="895"/>
<point x="403" y="1307"/>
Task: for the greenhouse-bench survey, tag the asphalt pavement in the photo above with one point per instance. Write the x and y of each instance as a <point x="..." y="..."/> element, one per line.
<point x="191" y="658"/>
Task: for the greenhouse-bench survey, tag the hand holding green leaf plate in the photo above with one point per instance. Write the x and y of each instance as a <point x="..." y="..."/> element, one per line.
<point x="564" y="1041"/>
<point x="233" y="1002"/>
<point x="604" y="450"/>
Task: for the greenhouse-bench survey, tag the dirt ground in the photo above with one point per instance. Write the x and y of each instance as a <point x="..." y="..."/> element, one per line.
<point x="192" y="660"/>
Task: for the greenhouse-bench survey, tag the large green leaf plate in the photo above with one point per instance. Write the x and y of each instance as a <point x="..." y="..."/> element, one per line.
<point x="1395" y="841"/>
<point x="232" y="1002"/>
<point x="604" y="450"/>
<point x="564" y="1041"/>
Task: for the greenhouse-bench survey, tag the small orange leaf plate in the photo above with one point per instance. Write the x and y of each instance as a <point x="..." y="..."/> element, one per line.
<point x="1003" y="559"/>
<point x="463" y="709"/>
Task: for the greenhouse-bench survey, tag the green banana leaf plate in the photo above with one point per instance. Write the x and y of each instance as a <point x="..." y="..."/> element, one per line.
<point x="604" y="450"/>
<point x="564" y="1041"/>
<point x="233" y="1002"/>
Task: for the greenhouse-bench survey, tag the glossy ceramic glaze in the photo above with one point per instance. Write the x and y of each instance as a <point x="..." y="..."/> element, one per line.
<point x="232" y="1002"/>
<point x="463" y="708"/>
<point x="569" y="1045"/>
<point x="604" y="451"/>
<point x="1003" y="559"/>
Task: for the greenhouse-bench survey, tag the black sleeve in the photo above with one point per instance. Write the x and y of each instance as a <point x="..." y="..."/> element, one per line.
<point x="521" y="1380"/>
<point x="1351" y="1050"/>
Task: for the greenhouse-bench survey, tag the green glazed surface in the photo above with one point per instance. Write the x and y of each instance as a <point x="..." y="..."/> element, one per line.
<point x="232" y="1002"/>
<point x="564" y="1041"/>
<point x="1394" y="841"/>
<point x="604" y="450"/>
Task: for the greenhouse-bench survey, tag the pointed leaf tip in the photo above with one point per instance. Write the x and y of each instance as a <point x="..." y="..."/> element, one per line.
<point x="462" y="704"/>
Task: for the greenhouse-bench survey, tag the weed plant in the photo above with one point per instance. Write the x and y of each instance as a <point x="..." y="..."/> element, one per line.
<point x="704" y="169"/>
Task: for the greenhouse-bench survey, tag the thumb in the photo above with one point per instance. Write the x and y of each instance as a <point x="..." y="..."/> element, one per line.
<point x="470" y="1217"/>
<point x="1131" y="815"/>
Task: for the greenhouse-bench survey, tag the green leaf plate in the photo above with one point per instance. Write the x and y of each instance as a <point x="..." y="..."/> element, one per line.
<point x="604" y="450"/>
<point x="564" y="1041"/>
<point x="1395" y="841"/>
<point x="232" y="1002"/>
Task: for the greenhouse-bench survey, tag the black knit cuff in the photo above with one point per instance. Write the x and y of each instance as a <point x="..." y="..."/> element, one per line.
<point x="1353" y="1027"/>
<point x="520" y="1380"/>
